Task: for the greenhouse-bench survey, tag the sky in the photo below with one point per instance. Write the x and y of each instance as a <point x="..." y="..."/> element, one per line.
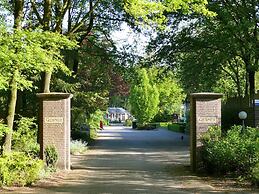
<point x="127" y="36"/>
<point x="124" y="37"/>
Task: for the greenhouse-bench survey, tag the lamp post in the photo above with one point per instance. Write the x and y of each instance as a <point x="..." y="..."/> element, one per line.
<point x="242" y="115"/>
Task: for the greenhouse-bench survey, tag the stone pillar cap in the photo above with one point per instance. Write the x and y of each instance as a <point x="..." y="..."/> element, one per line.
<point x="54" y="95"/>
<point x="206" y="95"/>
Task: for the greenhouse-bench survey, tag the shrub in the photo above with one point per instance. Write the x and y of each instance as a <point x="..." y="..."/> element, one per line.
<point x="148" y="126"/>
<point x="19" y="169"/>
<point x="3" y="130"/>
<point x="80" y="135"/>
<point x="78" y="147"/>
<point x="213" y="134"/>
<point x="25" y="137"/>
<point x="128" y="123"/>
<point x="176" y="127"/>
<point x="255" y="174"/>
<point x="94" y="123"/>
<point x="51" y="157"/>
<point x="234" y="152"/>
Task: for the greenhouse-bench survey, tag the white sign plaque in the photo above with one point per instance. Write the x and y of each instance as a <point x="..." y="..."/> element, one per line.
<point x="53" y="120"/>
<point x="207" y="119"/>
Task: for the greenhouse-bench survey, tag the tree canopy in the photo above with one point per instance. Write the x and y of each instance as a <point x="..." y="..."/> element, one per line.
<point x="208" y="50"/>
<point x="144" y="98"/>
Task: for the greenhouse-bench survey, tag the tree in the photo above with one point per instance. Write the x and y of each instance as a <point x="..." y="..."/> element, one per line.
<point x="18" y="61"/>
<point x="208" y="49"/>
<point x="157" y="12"/>
<point x="144" y="98"/>
<point x="171" y="95"/>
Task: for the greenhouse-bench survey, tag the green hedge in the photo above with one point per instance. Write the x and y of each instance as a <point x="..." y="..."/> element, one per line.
<point x="148" y="126"/>
<point x="128" y="123"/>
<point x="235" y="152"/>
<point x="18" y="169"/>
<point x="177" y="127"/>
<point x="80" y="135"/>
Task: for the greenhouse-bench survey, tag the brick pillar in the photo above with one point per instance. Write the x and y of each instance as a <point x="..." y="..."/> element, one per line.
<point x="205" y="111"/>
<point x="54" y="126"/>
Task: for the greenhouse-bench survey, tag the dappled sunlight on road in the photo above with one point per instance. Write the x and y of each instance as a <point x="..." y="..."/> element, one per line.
<point x="130" y="161"/>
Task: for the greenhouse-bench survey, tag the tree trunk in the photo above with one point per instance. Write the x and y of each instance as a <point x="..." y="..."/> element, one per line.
<point x="46" y="83"/>
<point x="246" y="84"/>
<point x="47" y="14"/>
<point x="239" y="91"/>
<point x="251" y="79"/>
<point x="46" y="20"/>
<point x="18" y="15"/>
<point x="11" y="112"/>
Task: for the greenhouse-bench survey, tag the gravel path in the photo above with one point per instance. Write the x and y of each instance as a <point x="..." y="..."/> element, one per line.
<point x="129" y="161"/>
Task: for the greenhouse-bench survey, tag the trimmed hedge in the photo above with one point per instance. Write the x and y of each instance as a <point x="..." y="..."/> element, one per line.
<point x="177" y="127"/>
<point x="149" y="126"/>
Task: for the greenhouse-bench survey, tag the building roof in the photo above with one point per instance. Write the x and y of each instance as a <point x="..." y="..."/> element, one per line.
<point x="117" y="110"/>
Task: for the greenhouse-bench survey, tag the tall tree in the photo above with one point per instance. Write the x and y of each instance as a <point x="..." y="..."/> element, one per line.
<point x="171" y="95"/>
<point x="157" y="12"/>
<point x="211" y="47"/>
<point x="18" y="15"/>
<point x="144" y="98"/>
<point x="18" y="61"/>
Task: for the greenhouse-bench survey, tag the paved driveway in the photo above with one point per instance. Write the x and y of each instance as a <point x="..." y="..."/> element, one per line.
<point x="130" y="161"/>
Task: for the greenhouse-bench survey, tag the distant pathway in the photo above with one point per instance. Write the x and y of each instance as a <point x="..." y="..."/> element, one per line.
<point x="130" y="161"/>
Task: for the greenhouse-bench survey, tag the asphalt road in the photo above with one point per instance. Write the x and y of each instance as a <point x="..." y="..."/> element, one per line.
<point x="130" y="161"/>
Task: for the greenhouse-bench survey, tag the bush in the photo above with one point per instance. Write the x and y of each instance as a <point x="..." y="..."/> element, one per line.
<point x="25" y="137"/>
<point x="94" y="123"/>
<point x="255" y="174"/>
<point x="234" y="152"/>
<point x="128" y="123"/>
<point x="162" y="117"/>
<point x="3" y="130"/>
<point x="78" y="147"/>
<point x="148" y="126"/>
<point x="51" y="157"/>
<point x="81" y="135"/>
<point x="163" y="124"/>
<point x="176" y="127"/>
<point x="19" y="169"/>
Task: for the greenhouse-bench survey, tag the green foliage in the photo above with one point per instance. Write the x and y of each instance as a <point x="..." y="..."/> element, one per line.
<point x="173" y="127"/>
<point x="147" y="126"/>
<point x="83" y="135"/>
<point x="51" y="157"/>
<point x="171" y="94"/>
<point x="212" y="51"/>
<point x="95" y="118"/>
<point x="255" y="174"/>
<point x="128" y="123"/>
<point x="234" y="152"/>
<point x="85" y="105"/>
<point x="25" y="137"/>
<point x="213" y="134"/>
<point x="78" y="147"/>
<point x="163" y="124"/>
<point x="144" y="98"/>
<point x="17" y="52"/>
<point x="94" y="123"/>
<point x="19" y="169"/>
<point x="152" y="12"/>
<point x="3" y="130"/>
<point x="177" y="127"/>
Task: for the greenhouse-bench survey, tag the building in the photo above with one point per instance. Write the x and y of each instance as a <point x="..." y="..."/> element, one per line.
<point x="117" y="114"/>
